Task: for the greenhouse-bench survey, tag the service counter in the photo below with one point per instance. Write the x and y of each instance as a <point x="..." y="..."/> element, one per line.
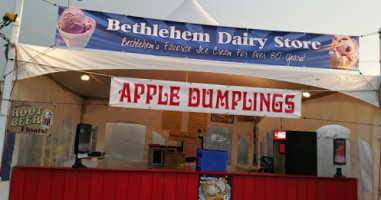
<point x="56" y="183"/>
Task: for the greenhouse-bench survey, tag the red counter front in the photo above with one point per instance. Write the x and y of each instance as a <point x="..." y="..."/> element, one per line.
<point x="40" y="183"/>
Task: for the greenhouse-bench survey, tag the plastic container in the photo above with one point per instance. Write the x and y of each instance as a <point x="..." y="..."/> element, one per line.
<point x="267" y="161"/>
<point x="211" y="160"/>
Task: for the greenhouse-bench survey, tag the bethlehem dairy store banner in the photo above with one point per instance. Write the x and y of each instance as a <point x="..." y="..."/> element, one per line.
<point x="115" y="32"/>
<point x="205" y="98"/>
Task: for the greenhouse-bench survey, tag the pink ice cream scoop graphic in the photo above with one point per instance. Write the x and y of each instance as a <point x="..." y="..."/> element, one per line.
<point x="344" y="53"/>
<point x="75" y="27"/>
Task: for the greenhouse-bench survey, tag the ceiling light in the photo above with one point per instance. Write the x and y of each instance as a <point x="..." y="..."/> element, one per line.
<point x="85" y="77"/>
<point x="306" y="94"/>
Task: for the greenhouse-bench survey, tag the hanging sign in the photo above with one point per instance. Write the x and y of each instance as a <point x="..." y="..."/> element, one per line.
<point x="106" y="31"/>
<point x="30" y="118"/>
<point x="204" y="98"/>
<point x="279" y="135"/>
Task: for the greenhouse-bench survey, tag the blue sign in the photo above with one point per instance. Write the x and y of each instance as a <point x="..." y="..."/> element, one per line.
<point x="106" y="31"/>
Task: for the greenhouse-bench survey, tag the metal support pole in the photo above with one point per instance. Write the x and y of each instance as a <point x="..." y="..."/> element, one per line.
<point x="379" y="106"/>
<point x="379" y="58"/>
<point x="15" y="32"/>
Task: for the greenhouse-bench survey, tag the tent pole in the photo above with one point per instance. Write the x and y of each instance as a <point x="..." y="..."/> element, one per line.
<point x="379" y="107"/>
<point x="7" y="87"/>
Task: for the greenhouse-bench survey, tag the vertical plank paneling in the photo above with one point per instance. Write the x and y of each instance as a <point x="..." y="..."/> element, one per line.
<point x="44" y="183"/>
<point x="271" y="185"/>
<point x="170" y="186"/>
<point x="301" y="189"/>
<point x="58" y="184"/>
<point x="342" y="190"/>
<point x="158" y="186"/>
<point x="17" y="183"/>
<point x="83" y="187"/>
<point x="192" y="186"/>
<point x="281" y="188"/>
<point x="291" y="188"/>
<point x="352" y="190"/>
<point x="248" y="187"/>
<point x="96" y="185"/>
<point x="109" y="181"/>
<point x="237" y="188"/>
<point x="181" y="186"/>
<point x="332" y="190"/>
<point x="30" y="189"/>
<point x="121" y="186"/>
<point x="312" y="189"/>
<point x="322" y="189"/>
<point x="260" y="187"/>
<point x="133" y="186"/>
<point x="33" y="183"/>
<point x="146" y="186"/>
<point x="71" y="182"/>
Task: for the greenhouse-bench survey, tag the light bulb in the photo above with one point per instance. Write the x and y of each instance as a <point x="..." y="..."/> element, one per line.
<point x="306" y="94"/>
<point x="85" y="77"/>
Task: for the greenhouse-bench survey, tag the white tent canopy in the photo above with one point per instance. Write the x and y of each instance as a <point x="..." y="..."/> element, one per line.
<point x="191" y="11"/>
<point x="37" y="60"/>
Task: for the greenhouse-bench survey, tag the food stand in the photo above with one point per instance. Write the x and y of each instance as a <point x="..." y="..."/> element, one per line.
<point x="127" y="121"/>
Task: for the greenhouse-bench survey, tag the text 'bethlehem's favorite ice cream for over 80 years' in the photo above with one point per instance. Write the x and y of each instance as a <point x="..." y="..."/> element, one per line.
<point x="344" y="53"/>
<point x="75" y="27"/>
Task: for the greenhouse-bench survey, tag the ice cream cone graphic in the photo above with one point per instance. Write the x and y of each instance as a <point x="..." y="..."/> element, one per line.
<point x="344" y="53"/>
<point x="75" y="27"/>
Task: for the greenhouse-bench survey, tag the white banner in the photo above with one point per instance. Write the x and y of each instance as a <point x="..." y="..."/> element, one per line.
<point x="205" y="98"/>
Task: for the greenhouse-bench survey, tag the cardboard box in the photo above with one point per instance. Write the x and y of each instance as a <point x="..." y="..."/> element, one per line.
<point x="156" y="155"/>
<point x="174" y="160"/>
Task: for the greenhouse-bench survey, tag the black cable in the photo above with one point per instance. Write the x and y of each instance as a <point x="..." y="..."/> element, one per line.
<point x="110" y="76"/>
<point x="340" y="121"/>
<point x="375" y="89"/>
<point x="33" y="58"/>
<point x="102" y="104"/>
<point x="369" y="34"/>
<point x="2" y="35"/>
<point x="54" y="4"/>
<point x="64" y="69"/>
<point x="5" y="23"/>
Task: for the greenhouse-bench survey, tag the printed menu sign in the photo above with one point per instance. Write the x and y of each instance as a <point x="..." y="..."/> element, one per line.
<point x="198" y="122"/>
<point x="214" y="187"/>
<point x="171" y="120"/>
<point x="184" y="136"/>
<point x="30" y="118"/>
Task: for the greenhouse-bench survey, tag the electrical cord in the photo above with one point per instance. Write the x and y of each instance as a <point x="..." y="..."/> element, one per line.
<point x="16" y="68"/>
<point x="4" y="23"/>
